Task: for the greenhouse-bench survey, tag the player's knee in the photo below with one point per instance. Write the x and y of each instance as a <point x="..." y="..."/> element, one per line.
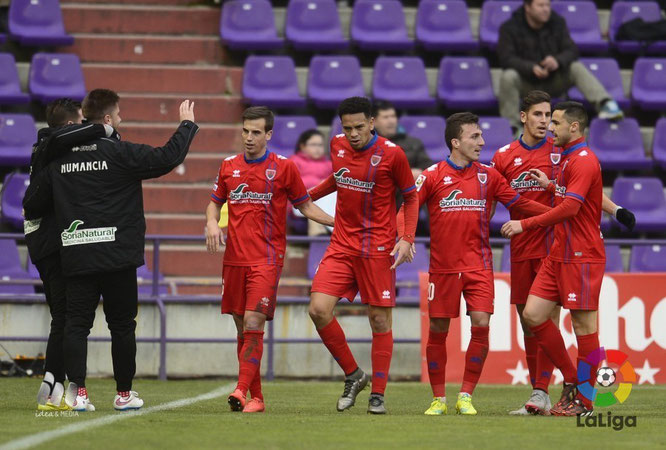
<point x="481" y="321"/>
<point x="319" y="313"/>
<point x="380" y="323"/>
<point x="439" y="325"/>
<point x="531" y="318"/>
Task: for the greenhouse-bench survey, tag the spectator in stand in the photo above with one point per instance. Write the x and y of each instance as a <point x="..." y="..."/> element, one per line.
<point x="386" y="125"/>
<point x="314" y="165"/>
<point x="537" y="52"/>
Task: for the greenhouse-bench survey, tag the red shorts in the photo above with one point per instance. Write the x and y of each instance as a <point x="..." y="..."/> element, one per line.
<point x="344" y="276"/>
<point x="523" y="274"/>
<point x="250" y="288"/>
<point x="444" y="290"/>
<point x="573" y="285"/>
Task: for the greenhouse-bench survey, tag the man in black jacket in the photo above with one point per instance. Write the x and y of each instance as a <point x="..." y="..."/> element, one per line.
<point x="536" y="52"/>
<point x="99" y="210"/>
<point x="64" y="131"/>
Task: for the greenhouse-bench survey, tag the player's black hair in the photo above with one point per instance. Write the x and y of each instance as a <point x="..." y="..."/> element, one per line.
<point x="574" y="112"/>
<point x="534" y="98"/>
<point x="61" y="111"/>
<point x="260" y="112"/>
<point x="454" y="124"/>
<point x="381" y="105"/>
<point x="98" y="103"/>
<point x="305" y="137"/>
<point x="355" y="105"/>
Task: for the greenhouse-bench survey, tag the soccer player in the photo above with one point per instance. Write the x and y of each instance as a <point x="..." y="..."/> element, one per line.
<point x="533" y="150"/>
<point x="571" y="275"/>
<point x="367" y="170"/>
<point x="459" y="192"/>
<point x="256" y="185"/>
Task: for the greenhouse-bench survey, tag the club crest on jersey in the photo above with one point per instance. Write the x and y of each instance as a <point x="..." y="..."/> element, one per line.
<point x="483" y="177"/>
<point x="375" y="159"/>
<point x="555" y="158"/>
<point x="270" y="173"/>
<point x="351" y="183"/>
<point x="452" y="203"/>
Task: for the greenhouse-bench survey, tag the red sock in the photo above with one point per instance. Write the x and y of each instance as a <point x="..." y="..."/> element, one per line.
<point x="250" y="358"/>
<point x="255" y="386"/>
<point x="586" y="345"/>
<point x="436" y="356"/>
<point x="531" y="349"/>
<point x="475" y="358"/>
<point x="382" y="351"/>
<point x="544" y="370"/>
<point x="334" y="339"/>
<point x="551" y="342"/>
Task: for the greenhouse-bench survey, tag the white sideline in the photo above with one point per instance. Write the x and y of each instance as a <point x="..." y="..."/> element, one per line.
<point x="40" y="438"/>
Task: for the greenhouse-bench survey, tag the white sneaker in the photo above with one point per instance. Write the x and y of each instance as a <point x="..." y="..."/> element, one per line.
<point x="132" y="401"/>
<point x="522" y="411"/>
<point x="539" y="403"/>
<point x="77" y="399"/>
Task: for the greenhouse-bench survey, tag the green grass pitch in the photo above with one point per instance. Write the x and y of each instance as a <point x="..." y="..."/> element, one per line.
<point x="302" y="415"/>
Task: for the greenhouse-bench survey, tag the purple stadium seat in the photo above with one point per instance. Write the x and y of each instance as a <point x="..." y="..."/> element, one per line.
<point x="17" y="135"/>
<point x="56" y="75"/>
<point x="583" y="23"/>
<point x="401" y="80"/>
<point x="430" y="129"/>
<point x="249" y="25"/>
<point x="10" y="269"/>
<point x="31" y="269"/>
<point x="505" y="263"/>
<point x="10" y="86"/>
<point x="286" y="131"/>
<point x="3" y="38"/>
<point x="500" y="217"/>
<point x="314" y="25"/>
<point x="444" y="25"/>
<point x="607" y="72"/>
<point x="336" y="127"/>
<point x="647" y="258"/>
<point x="37" y="22"/>
<point x="465" y="83"/>
<point x="645" y="197"/>
<point x="618" y="145"/>
<point x="143" y="275"/>
<point x="380" y="25"/>
<point x="648" y="83"/>
<point x="271" y="81"/>
<point x="332" y="79"/>
<point x="316" y="253"/>
<point x="409" y="272"/>
<point x="614" y="259"/>
<point x="496" y="133"/>
<point x="659" y="142"/>
<point x="15" y="185"/>
<point x="493" y="15"/>
<point x="622" y="12"/>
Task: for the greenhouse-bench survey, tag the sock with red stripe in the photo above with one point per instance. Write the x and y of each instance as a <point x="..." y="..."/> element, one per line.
<point x="551" y="342"/>
<point x="255" y="386"/>
<point x="250" y="358"/>
<point x="531" y="349"/>
<point x="382" y="351"/>
<point x="586" y="345"/>
<point x="335" y="341"/>
<point x="436" y="357"/>
<point x="475" y="358"/>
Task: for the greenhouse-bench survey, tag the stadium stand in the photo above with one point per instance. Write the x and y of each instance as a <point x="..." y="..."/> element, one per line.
<point x="410" y="272"/>
<point x="494" y="14"/>
<point x="659" y="145"/>
<point x="429" y="130"/>
<point x="15" y="185"/>
<point x="496" y="134"/>
<point x="37" y="23"/>
<point x="17" y="134"/>
<point x="583" y="23"/>
<point x="622" y="12"/>
<point x="331" y="79"/>
<point x="444" y="25"/>
<point x="314" y="26"/>
<point x="271" y="81"/>
<point x="648" y="84"/>
<point x="56" y="75"/>
<point x="618" y="145"/>
<point x="648" y="258"/>
<point x="401" y="80"/>
<point x="10" y="87"/>
<point x="10" y="269"/>
<point x="380" y="25"/>
<point x="286" y="130"/>
<point x="645" y="197"/>
<point x="608" y="73"/>
<point x="249" y="25"/>
<point x="614" y="259"/>
<point x="465" y="83"/>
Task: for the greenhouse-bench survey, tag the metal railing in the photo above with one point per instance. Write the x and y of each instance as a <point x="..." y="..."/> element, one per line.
<point x="161" y="300"/>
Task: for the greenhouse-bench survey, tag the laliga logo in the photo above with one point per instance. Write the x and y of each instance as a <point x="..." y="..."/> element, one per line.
<point x="606" y="377"/>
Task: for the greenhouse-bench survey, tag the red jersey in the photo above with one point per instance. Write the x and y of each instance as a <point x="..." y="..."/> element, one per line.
<point x="459" y="200"/>
<point x="513" y="162"/>
<point x="366" y="180"/>
<point x="257" y="192"/>
<point x="579" y="239"/>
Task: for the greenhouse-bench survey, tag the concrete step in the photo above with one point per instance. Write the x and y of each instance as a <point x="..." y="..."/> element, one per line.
<point x="141" y="19"/>
<point x="180" y="224"/>
<point x="197" y="168"/>
<point x="176" y="198"/>
<point x="211" y="138"/>
<point x="151" y="49"/>
<point x="163" y="78"/>
<point x="218" y="109"/>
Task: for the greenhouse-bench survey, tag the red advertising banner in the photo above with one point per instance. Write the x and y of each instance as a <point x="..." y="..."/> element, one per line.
<point x="632" y="319"/>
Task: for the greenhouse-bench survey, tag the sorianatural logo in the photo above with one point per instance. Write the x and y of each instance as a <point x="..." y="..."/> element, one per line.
<point x="74" y="236"/>
<point x="240" y="195"/>
<point x="606" y="376"/>
<point x="452" y="202"/>
<point x="352" y="183"/>
<point x="524" y="181"/>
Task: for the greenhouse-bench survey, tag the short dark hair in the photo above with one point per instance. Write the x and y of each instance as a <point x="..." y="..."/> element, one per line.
<point x="573" y="112"/>
<point x="305" y="137"/>
<point x="260" y="112"/>
<point x="534" y="98"/>
<point x="98" y="103"/>
<point x="61" y="111"/>
<point x="381" y="105"/>
<point x="454" y="124"/>
<point x="355" y="105"/>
